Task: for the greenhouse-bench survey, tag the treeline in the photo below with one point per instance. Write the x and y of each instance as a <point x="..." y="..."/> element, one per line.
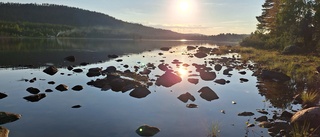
<point x="26" y="29"/>
<point x="48" y="20"/>
<point x="287" y="24"/>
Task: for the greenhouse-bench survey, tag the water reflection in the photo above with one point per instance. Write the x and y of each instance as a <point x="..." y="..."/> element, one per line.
<point x="128" y="83"/>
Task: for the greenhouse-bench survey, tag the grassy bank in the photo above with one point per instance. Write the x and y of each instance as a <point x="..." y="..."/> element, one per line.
<point x="301" y="68"/>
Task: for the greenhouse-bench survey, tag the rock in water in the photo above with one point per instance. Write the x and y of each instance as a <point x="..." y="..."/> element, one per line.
<point x="193" y="80"/>
<point x="140" y="92"/>
<point x="70" y="58"/>
<point x="51" y="70"/>
<point x="307" y="116"/>
<point x="35" y="98"/>
<point x="200" y="55"/>
<point x="246" y="114"/>
<point x="6" y="117"/>
<point x="208" y="94"/>
<point x="62" y="87"/>
<point x="185" y="97"/>
<point x="221" y="81"/>
<point x="192" y="105"/>
<point x="4" y="132"/>
<point x="2" y="95"/>
<point x="217" y="67"/>
<point x="77" y="88"/>
<point x="146" y="130"/>
<point x="168" y="79"/>
<point x="33" y="90"/>
<point x="208" y="76"/>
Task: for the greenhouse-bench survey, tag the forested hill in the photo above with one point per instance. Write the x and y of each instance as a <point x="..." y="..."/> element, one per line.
<point x="42" y="20"/>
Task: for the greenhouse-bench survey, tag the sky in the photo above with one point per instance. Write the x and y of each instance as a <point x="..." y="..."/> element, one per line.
<point x="209" y="17"/>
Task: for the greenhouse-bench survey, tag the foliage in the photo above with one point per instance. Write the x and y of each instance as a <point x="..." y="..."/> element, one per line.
<point x="310" y="98"/>
<point x="287" y="22"/>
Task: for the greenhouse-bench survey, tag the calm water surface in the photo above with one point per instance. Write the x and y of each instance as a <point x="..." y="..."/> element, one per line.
<point x="117" y="114"/>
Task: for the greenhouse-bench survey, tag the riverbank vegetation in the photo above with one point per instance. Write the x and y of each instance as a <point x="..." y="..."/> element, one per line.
<point x="291" y="26"/>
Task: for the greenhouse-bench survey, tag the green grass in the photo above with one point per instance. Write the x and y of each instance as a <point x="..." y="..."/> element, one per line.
<point x="311" y="98"/>
<point x="301" y="68"/>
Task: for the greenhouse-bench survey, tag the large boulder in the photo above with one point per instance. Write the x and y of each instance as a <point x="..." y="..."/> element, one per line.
<point x="208" y="94"/>
<point x="147" y="131"/>
<point x="51" y="70"/>
<point x="4" y="132"/>
<point x="168" y="79"/>
<point x="6" y="117"/>
<point x="278" y="76"/>
<point x="307" y="116"/>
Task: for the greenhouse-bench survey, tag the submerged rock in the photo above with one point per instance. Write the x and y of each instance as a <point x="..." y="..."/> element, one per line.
<point x="51" y="70"/>
<point x="243" y="80"/>
<point x="4" y="132"/>
<point x="221" y="81"/>
<point x="2" y="95"/>
<point x="246" y="114"/>
<point x="165" y="48"/>
<point x="185" y="97"/>
<point x="192" y="105"/>
<point x="147" y="130"/>
<point x="208" y="76"/>
<point x="62" y="87"/>
<point x="35" y="98"/>
<point x="33" y="90"/>
<point x="208" y="94"/>
<point x="77" y="70"/>
<point x="6" y="117"/>
<point x="113" y="56"/>
<point x="168" y="79"/>
<point x="70" y="58"/>
<point x="163" y="67"/>
<point x="76" y="106"/>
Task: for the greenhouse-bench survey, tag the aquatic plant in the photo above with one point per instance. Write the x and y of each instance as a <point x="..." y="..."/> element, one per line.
<point x="214" y="130"/>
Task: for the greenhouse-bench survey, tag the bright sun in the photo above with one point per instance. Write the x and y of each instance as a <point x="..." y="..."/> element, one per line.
<point x="184" y="5"/>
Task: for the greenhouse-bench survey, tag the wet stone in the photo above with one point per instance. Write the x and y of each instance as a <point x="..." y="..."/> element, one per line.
<point x="111" y="69"/>
<point x="51" y="70"/>
<point x="119" y="60"/>
<point x="6" y="117"/>
<point x="62" y="87"/>
<point x="70" y="68"/>
<point x="208" y="94"/>
<point x="2" y="95"/>
<point x="77" y="88"/>
<point x="140" y="92"/>
<point x="165" y="48"/>
<point x="265" y="124"/>
<point x="33" y="90"/>
<point x="84" y="64"/>
<point x="163" y="67"/>
<point x="35" y="98"/>
<point x="263" y="112"/>
<point x="193" y="80"/>
<point x="113" y="56"/>
<point x="146" y="131"/>
<point x="242" y="72"/>
<point x="185" y="97"/>
<point x="243" y="80"/>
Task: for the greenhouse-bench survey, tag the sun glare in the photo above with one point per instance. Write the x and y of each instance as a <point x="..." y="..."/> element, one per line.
<point x="184" y="5"/>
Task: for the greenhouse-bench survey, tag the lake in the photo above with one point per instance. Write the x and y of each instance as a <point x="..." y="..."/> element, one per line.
<point x="104" y="112"/>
